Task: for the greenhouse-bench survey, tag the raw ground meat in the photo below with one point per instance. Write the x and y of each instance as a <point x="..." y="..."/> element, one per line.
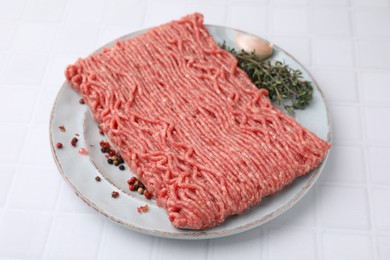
<point x="202" y="138"/>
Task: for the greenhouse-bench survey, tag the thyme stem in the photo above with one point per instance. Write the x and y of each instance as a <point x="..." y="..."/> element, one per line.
<point x="286" y="86"/>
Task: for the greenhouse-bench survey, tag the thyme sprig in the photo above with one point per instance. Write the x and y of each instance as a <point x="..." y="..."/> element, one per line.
<point x="286" y="86"/>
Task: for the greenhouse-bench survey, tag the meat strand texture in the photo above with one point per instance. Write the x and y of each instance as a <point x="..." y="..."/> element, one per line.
<point x="202" y="138"/>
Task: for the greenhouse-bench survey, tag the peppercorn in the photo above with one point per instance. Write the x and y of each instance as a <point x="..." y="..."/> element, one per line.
<point x="105" y="145"/>
<point x="121" y="167"/>
<point x="97" y="178"/>
<point x="74" y="141"/>
<point x="59" y="145"/>
<point x="104" y="150"/>
<point x="116" y="163"/>
<point x="120" y="160"/>
<point x="115" y="194"/>
<point x="101" y="131"/>
<point x="132" y="187"/>
<point x="148" y="194"/>
<point x="132" y="180"/>
<point x="111" y="152"/>
<point x="110" y="161"/>
<point x="62" y="128"/>
<point x="140" y="190"/>
<point x="81" y="101"/>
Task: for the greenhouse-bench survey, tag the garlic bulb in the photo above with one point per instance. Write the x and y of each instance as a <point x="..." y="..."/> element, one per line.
<point x="249" y="43"/>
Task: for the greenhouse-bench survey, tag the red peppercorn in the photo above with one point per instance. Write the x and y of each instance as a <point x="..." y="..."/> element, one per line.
<point x="101" y="131"/>
<point x="132" y="187"/>
<point x="62" y="128"/>
<point x="115" y="194"/>
<point x="111" y="152"/>
<point x="59" y="145"/>
<point x="148" y="194"/>
<point x="132" y="180"/>
<point x="97" y="178"/>
<point x="74" y="141"/>
<point x="81" y="101"/>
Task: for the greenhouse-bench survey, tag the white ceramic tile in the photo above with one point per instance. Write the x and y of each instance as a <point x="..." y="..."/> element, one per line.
<point x="7" y="32"/>
<point x="75" y="236"/>
<point x="287" y="243"/>
<point x="346" y="123"/>
<point x="160" y="13"/>
<point x="119" y="242"/>
<point x="205" y="1"/>
<point x="213" y="14"/>
<point x="24" y="69"/>
<point x="372" y="22"/>
<point x="290" y="2"/>
<point x="112" y="32"/>
<point x="13" y="137"/>
<point x="3" y="60"/>
<point x="70" y="202"/>
<point x="35" y="37"/>
<point x="333" y="52"/>
<point x="337" y="85"/>
<point x="302" y="214"/>
<point x="375" y="86"/>
<point x="37" y="150"/>
<point x="252" y="19"/>
<point x="125" y="12"/>
<point x="54" y="76"/>
<point x="10" y="104"/>
<point x="86" y="11"/>
<point x="380" y="204"/>
<point x="7" y="173"/>
<point x="379" y="164"/>
<point x="370" y="3"/>
<point x="383" y="247"/>
<point x="44" y="106"/>
<point x="23" y="234"/>
<point x="346" y="246"/>
<point x="299" y="48"/>
<point x="224" y="248"/>
<point x="331" y="21"/>
<point x="344" y="207"/>
<point x="290" y="21"/>
<point x="373" y="54"/>
<point x="162" y="249"/>
<point x="77" y="39"/>
<point x="347" y="165"/>
<point x="331" y="2"/>
<point x="46" y="10"/>
<point x="378" y="124"/>
<point x="35" y="188"/>
<point x="11" y="10"/>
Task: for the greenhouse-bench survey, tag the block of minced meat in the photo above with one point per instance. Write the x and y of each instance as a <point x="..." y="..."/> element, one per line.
<point x="201" y="137"/>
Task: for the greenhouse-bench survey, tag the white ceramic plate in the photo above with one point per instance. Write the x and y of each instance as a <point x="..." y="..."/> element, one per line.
<point x="80" y="170"/>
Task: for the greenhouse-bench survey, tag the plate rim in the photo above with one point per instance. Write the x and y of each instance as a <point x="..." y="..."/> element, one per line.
<point x="209" y="233"/>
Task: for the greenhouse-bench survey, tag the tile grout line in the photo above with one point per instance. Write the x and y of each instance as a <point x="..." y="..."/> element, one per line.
<point x="103" y="235"/>
<point x="361" y="107"/>
<point x="56" y="209"/>
<point x="319" y="230"/>
<point x="28" y="124"/>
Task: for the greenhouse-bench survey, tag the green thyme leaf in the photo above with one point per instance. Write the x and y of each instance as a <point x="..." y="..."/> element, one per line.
<point x="286" y="86"/>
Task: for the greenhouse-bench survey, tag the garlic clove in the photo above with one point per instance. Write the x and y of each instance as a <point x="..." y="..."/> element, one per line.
<point x="249" y="43"/>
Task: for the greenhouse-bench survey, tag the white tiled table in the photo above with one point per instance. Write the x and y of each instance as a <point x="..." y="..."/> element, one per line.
<point x="344" y="43"/>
